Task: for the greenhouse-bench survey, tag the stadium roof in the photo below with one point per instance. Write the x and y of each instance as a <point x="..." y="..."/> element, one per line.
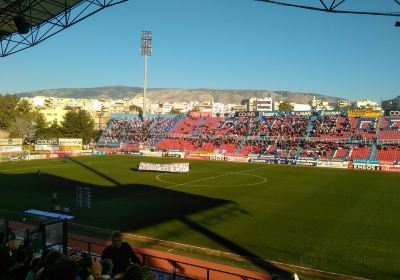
<point x="25" y="23"/>
<point x="370" y="7"/>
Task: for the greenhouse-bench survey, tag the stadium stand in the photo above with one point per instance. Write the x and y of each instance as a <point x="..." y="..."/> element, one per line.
<point x="359" y="152"/>
<point x="135" y="129"/>
<point x="390" y="129"/>
<point x="187" y="125"/>
<point x="317" y="135"/>
<point x="388" y="153"/>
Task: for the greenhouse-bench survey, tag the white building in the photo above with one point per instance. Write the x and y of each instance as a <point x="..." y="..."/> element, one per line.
<point x="320" y="105"/>
<point x="184" y="107"/>
<point x="366" y="104"/>
<point x="231" y="107"/>
<point x="38" y="101"/>
<point x="259" y="104"/>
<point x="218" y="109"/>
<point x="301" y="107"/>
<point x="344" y="104"/>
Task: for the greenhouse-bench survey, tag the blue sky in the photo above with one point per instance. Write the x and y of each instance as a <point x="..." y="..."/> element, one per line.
<point x="223" y="44"/>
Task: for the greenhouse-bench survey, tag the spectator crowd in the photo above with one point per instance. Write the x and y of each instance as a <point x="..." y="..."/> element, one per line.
<point x="118" y="261"/>
<point x="314" y="134"/>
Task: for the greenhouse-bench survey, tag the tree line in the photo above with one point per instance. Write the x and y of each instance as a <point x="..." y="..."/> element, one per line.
<point x="21" y="120"/>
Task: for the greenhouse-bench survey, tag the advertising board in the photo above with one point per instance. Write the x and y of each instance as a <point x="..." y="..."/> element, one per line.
<point x="305" y="161"/>
<point x="331" y="113"/>
<point x="262" y="160"/>
<point x="11" y="142"/>
<point x="197" y="156"/>
<point x="51" y="142"/>
<point x="361" y="166"/>
<point x="46" y="148"/>
<point x="247" y="114"/>
<point x="364" y="113"/>
<point x="392" y="168"/>
<point x="392" y="113"/>
<point x="333" y="164"/>
<point x="70" y="144"/>
<point x="176" y="154"/>
<point x="10" y="149"/>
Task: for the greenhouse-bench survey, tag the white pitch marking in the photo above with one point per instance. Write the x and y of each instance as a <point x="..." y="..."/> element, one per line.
<point x="48" y="166"/>
<point x="212" y="177"/>
<point x="229" y="173"/>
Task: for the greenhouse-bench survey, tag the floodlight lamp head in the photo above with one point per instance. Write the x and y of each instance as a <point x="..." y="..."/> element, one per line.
<point x="397" y="24"/>
<point x="146" y="37"/>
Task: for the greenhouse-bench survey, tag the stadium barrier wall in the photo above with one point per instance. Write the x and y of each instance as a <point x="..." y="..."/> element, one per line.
<point x="174" y="154"/>
<point x="166" y="265"/>
<point x="232" y="157"/>
<point x="333" y="164"/>
<point x="390" y="168"/>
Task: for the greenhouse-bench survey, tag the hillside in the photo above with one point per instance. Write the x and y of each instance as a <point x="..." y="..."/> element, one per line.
<point x="169" y="94"/>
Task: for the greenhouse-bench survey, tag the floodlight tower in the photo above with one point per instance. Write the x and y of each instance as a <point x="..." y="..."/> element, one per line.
<point x="145" y="51"/>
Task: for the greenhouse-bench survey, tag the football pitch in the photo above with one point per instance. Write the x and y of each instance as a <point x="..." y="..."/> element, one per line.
<point x="342" y="221"/>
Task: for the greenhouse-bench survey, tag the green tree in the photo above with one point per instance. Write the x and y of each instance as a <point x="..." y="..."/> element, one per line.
<point x="135" y="108"/>
<point x="78" y="124"/>
<point x="21" y="128"/>
<point x="8" y="104"/>
<point x="285" y="106"/>
<point x="23" y="109"/>
<point x="54" y="130"/>
<point x="17" y="116"/>
<point x="41" y="127"/>
<point x="175" y="111"/>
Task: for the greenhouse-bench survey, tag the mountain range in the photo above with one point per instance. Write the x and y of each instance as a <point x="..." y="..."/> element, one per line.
<point x="162" y="95"/>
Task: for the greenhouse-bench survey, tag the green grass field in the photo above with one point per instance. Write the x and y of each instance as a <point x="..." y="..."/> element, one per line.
<point x="335" y="220"/>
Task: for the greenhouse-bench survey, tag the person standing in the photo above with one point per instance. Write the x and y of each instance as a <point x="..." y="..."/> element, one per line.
<point x="121" y="253"/>
<point x="54" y="198"/>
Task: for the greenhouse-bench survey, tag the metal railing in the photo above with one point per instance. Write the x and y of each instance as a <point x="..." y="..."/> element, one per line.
<point x="175" y="264"/>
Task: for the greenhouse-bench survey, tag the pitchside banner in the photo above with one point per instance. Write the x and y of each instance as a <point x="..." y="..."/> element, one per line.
<point x="366" y="164"/>
<point x="47" y="144"/>
<point x="168" y="167"/>
<point x="365" y="161"/>
<point x="10" y="149"/>
<point x="331" y="113"/>
<point x="11" y="142"/>
<point x="305" y="161"/>
<point x="390" y="168"/>
<point x="176" y="154"/>
<point x="333" y="163"/>
<point x="364" y="113"/>
<point x="10" y="145"/>
<point x="392" y="113"/>
<point x="302" y="113"/>
<point x="70" y="144"/>
<point x="247" y="114"/>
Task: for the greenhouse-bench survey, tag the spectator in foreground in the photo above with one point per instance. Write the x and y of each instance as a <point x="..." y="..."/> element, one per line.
<point x="63" y="270"/>
<point x="106" y="269"/>
<point x="51" y="258"/>
<point x="6" y="261"/>
<point x="137" y="272"/>
<point x="121" y="253"/>
<point x="20" y="269"/>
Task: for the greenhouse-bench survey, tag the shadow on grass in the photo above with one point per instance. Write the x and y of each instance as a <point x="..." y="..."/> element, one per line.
<point x="129" y="207"/>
